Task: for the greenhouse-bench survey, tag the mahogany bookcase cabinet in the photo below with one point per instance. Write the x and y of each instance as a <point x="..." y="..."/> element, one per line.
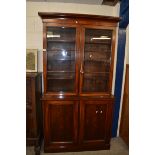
<point x="78" y="61"/>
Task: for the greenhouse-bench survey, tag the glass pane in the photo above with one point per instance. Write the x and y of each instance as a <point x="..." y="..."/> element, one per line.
<point x="55" y="62"/>
<point x="96" y="66"/>
<point x="95" y="82"/>
<point x="97" y="60"/>
<point x="61" y="59"/>
<point x="60" y="81"/>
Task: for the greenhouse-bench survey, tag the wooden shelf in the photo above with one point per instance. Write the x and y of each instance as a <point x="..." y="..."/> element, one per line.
<point x="97" y="72"/>
<point x="57" y="50"/>
<point x="97" y="61"/>
<point x="60" y="75"/>
<point x="61" y="41"/>
<point x="67" y="59"/>
<point x="88" y="51"/>
<point x="60" y="71"/>
<point x="101" y="78"/>
<point x="65" y="78"/>
<point x="61" y="78"/>
<point x="98" y="43"/>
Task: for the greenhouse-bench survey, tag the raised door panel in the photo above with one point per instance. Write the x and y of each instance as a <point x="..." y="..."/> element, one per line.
<point x="61" y="118"/>
<point x="95" y="123"/>
<point x="94" y="127"/>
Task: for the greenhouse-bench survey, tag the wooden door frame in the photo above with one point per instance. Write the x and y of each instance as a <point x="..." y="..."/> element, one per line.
<point x="77" y="46"/>
<point x="82" y="41"/>
<point x="108" y="120"/>
<point x="55" y="145"/>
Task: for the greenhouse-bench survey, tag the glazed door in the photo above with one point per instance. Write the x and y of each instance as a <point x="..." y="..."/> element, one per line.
<point x="60" y="124"/>
<point x="96" y="60"/>
<point x="61" y="59"/>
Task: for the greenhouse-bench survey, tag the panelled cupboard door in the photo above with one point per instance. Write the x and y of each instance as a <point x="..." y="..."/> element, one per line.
<point x="60" y="124"/>
<point x="61" y="58"/>
<point x="97" y="52"/>
<point x="95" y="123"/>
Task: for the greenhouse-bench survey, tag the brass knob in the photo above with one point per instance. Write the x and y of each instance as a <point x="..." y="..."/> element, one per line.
<point x="81" y="69"/>
<point x="81" y="72"/>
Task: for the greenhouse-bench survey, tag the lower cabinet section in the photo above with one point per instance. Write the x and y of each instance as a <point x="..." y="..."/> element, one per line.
<point x="76" y="125"/>
<point x="60" y="125"/>
<point x="95" y="124"/>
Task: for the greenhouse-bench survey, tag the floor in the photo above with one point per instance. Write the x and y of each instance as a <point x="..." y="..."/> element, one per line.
<point x="118" y="147"/>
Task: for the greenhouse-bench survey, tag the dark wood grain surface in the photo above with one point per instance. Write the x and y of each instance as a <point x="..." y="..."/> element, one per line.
<point x="34" y="126"/>
<point x="72" y="15"/>
<point x="110" y="2"/>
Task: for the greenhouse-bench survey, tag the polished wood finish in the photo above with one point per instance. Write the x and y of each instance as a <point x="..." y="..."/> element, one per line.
<point x="95" y="129"/>
<point x="44" y="57"/>
<point x="110" y="2"/>
<point x="124" y="125"/>
<point x="77" y="123"/>
<point x="61" y="125"/>
<point x="81" y="118"/>
<point x="49" y="15"/>
<point x="34" y="131"/>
